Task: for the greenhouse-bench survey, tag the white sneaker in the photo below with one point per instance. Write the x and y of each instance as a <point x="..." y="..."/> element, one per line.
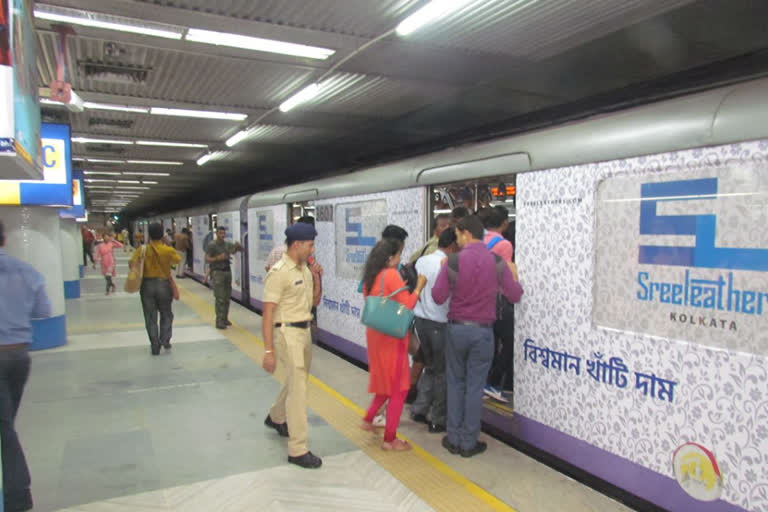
<point x="380" y="421"/>
<point x="495" y="394"/>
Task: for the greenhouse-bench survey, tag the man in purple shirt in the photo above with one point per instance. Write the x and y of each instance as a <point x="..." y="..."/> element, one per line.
<point x="469" y="341"/>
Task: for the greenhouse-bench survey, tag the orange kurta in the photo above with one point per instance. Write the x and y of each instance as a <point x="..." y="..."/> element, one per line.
<point x="388" y="356"/>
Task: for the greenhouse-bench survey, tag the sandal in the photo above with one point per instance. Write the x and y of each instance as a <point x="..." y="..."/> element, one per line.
<point x="398" y="445"/>
<point x="368" y="427"/>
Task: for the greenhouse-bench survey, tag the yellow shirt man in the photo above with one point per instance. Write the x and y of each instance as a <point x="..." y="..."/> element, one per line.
<point x="157" y="260"/>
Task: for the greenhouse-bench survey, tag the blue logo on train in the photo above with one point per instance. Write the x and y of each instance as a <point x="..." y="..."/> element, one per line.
<point x="703" y="254"/>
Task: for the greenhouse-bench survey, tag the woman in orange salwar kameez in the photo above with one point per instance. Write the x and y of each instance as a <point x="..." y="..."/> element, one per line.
<point x="389" y="375"/>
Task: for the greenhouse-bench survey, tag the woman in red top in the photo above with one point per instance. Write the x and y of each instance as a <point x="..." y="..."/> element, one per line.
<point x="389" y="374"/>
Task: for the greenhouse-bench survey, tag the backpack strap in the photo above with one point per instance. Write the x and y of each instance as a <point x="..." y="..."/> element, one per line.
<point x="500" y="264"/>
<point x="494" y="241"/>
<point x="453" y="268"/>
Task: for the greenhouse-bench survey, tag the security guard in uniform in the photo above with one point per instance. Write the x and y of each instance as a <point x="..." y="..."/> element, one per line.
<point x="291" y="289"/>
<point x="217" y="256"/>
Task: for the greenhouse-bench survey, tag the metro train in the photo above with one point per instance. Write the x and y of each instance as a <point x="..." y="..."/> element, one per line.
<point x="641" y="340"/>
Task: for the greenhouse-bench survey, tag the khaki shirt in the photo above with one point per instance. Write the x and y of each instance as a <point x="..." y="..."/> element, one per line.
<point x="428" y="248"/>
<point x="290" y="287"/>
<point x="181" y="242"/>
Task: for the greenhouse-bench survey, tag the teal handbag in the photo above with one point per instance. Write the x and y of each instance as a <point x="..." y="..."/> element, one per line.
<point x="387" y="316"/>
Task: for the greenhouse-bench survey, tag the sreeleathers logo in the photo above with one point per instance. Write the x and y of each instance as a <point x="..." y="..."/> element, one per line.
<point x="715" y="292"/>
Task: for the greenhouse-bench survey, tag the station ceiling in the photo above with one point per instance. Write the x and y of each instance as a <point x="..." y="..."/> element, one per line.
<point x="487" y="68"/>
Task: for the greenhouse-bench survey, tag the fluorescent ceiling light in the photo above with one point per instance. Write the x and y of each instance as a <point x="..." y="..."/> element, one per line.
<point x="48" y="101"/>
<point x="170" y="144"/>
<point x="300" y="97"/>
<point x="104" y="161"/>
<point x="78" y="159"/>
<point x="204" y="159"/>
<point x="126" y="187"/>
<point x="204" y="114"/>
<point x="93" y="180"/>
<point x="126" y="173"/>
<point x="237" y="138"/>
<point x="95" y="20"/>
<point x="119" y="108"/>
<point x="86" y="140"/>
<point x="154" y="162"/>
<point x="129" y="181"/>
<point x="258" y="44"/>
<point x="150" y="182"/>
<point x="99" y="186"/>
<point x="103" y="173"/>
<point x="432" y="11"/>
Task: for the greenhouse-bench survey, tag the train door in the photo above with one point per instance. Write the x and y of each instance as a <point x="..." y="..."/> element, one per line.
<point x="478" y="197"/>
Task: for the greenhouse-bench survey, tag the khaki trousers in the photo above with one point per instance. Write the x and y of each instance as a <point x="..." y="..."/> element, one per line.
<point x="294" y="353"/>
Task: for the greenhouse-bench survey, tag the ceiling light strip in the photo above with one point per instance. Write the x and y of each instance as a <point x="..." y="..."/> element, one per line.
<point x="97" y="20"/>
<point x="257" y="44"/>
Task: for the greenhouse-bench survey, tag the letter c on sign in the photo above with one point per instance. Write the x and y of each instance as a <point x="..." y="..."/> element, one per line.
<point x="49" y="152"/>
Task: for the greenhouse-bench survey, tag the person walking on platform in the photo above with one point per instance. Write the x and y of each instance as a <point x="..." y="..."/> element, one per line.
<point x="431" y="322"/>
<point x="389" y="376"/>
<point x="88" y="240"/>
<point x="106" y="255"/>
<point x="472" y="279"/>
<point x="126" y="239"/>
<point x="218" y="254"/>
<point x="22" y="298"/>
<point x="291" y="289"/>
<point x="181" y="242"/>
<point x="156" y="289"/>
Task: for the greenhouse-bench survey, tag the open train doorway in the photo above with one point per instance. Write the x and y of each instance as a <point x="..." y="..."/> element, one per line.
<point x="491" y="199"/>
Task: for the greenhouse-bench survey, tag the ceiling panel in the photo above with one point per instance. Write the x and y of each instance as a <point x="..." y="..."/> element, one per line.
<point x="365" y="18"/>
<point x="536" y="29"/>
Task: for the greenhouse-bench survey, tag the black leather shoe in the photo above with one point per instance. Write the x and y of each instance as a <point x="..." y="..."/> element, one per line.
<point x="308" y="461"/>
<point x="420" y="418"/>
<point x="434" y="428"/>
<point x="479" y="448"/>
<point x="412" y="394"/>
<point x="227" y="323"/>
<point x="221" y="327"/>
<point x="155" y="350"/>
<point x="167" y="346"/>
<point x="281" y="428"/>
<point x="450" y="447"/>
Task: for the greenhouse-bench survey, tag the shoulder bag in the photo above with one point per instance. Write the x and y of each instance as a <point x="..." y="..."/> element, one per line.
<point x="387" y="316"/>
<point x="136" y="275"/>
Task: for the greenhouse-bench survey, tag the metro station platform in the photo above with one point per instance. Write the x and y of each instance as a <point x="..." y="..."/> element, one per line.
<point x="108" y="427"/>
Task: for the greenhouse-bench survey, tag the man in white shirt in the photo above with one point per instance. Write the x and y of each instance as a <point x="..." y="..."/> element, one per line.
<point x="431" y="321"/>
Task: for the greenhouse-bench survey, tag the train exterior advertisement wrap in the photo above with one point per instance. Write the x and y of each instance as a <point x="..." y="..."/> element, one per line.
<point x="353" y="228"/>
<point x="618" y="261"/>
<point x="266" y="228"/>
<point x="231" y="221"/>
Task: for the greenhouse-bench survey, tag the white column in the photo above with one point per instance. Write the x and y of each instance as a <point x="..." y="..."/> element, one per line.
<point x="71" y="255"/>
<point x="33" y="235"/>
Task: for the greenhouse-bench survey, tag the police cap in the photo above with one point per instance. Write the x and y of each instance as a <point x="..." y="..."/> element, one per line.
<point x="300" y="232"/>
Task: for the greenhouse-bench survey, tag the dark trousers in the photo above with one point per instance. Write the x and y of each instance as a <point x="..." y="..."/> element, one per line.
<point x="468" y="356"/>
<point x="14" y="372"/>
<point x="157" y="297"/>
<point x="87" y="253"/>
<point x="502" y="370"/>
<point x="432" y="386"/>
<point x="222" y="291"/>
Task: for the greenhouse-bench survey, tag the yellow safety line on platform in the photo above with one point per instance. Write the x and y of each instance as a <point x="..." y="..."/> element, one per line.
<point x="441" y="487"/>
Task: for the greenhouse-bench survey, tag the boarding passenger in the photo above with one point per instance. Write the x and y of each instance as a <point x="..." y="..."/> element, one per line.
<point x="503" y="360"/>
<point x="218" y="256"/>
<point x="291" y="289"/>
<point x="459" y="213"/>
<point x="105" y="253"/>
<point x="181" y="243"/>
<point x="126" y="239"/>
<point x="439" y="224"/>
<point x="387" y="356"/>
<point x="22" y="298"/>
<point x="431" y="322"/>
<point x="472" y="279"/>
<point x="156" y="289"/>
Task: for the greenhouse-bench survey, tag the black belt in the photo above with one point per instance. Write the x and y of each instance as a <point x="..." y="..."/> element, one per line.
<point x="470" y="324"/>
<point x="300" y="325"/>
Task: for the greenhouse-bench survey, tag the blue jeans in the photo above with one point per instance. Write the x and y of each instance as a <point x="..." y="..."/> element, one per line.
<point x="14" y="372"/>
<point x="468" y="357"/>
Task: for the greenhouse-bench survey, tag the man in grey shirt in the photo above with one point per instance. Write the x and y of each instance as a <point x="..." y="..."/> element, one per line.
<point x="22" y="298"/>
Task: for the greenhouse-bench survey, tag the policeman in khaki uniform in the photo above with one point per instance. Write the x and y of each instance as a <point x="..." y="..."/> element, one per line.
<point x="217" y="255"/>
<point x="291" y="289"/>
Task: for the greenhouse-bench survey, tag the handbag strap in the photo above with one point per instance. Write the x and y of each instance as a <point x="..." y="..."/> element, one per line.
<point x="381" y="290"/>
